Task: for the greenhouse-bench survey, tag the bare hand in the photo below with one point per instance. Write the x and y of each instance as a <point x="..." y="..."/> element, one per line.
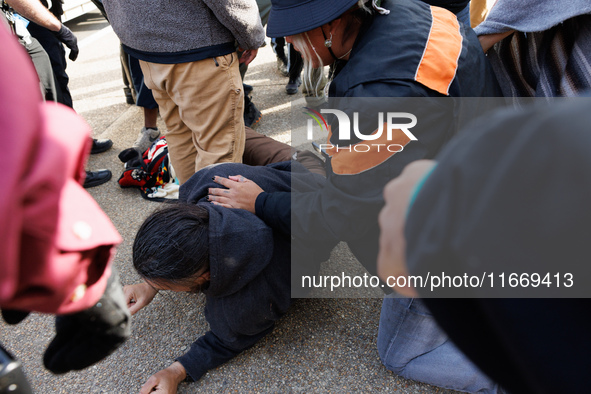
<point x="248" y="56"/>
<point x="239" y="193"/>
<point x="397" y="193"/>
<point x="138" y="296"/>
<point x="165" y="381"/>
<point x="488" y="40"/>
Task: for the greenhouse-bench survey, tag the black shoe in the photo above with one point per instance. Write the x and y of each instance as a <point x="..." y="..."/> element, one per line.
<point x="292" y="86"/>
<point x="252" y="115"/>
<point x="128" y="96"/>
<point x="95" y="178"/>
<point x="100" y="146"/>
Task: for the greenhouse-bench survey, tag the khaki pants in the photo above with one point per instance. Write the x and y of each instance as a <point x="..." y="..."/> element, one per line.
<point x="479" y="9"/>
<point x="202" y="104"/>
<point x="261" y="150"/>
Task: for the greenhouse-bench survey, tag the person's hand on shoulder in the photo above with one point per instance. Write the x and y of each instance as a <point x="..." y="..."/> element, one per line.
<point x="239" y="193"/>
<point x="165" y="381"/>
<point x="138" y="296"/>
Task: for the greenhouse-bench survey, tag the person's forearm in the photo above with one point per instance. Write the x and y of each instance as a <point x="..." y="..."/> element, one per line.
<point x="34" y="11"/>
<point x="206" y="353"/>
<point x="178" y="371"/>
<point x="209" y="351"/>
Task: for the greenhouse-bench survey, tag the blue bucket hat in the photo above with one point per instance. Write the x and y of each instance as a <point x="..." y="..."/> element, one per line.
<point x="289" y="17"/>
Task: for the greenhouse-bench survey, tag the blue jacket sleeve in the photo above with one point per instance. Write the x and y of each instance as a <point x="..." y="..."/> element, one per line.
<point x="209" y="351"/>
<point x="346" y="206"/>
<point x="275" y="210"/>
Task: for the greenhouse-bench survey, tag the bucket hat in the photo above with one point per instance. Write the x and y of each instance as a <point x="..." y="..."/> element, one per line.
<point x="289" y="17"/>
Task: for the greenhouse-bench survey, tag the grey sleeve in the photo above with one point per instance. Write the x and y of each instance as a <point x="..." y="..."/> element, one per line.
<point x="242" y="18"/>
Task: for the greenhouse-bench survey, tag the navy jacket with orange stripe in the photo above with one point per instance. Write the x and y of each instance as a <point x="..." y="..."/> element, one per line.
<point x="452" y="5"/>
<point x="417" y="52"/>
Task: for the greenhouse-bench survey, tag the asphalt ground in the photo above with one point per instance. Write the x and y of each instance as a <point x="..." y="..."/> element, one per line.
<point x="321" y="345"/>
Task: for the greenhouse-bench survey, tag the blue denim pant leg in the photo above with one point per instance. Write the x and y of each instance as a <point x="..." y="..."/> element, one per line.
<point x="412" y="345"/>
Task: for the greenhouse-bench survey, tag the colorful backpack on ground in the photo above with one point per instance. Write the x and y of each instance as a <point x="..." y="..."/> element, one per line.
<point x="152" y="173"/>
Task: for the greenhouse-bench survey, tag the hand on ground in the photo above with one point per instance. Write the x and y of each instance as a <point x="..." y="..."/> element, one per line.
<point x="165" y="381"/>
<point x="138" y="296"/>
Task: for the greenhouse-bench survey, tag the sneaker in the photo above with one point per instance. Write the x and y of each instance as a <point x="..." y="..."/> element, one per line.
<point x="292" y="86"/>
<point x="95" y="178"/>
<point x="282" y="67"/>
<point x="316" y="102"/>
<point x="145" y="139"/>
<point x="252" y="116"/>
<point x="100" y="146"/>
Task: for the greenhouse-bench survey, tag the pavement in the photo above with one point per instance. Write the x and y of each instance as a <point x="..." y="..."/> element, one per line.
<point x="321" y="345"/>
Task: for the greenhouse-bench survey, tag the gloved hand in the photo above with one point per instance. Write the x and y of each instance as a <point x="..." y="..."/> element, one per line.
<point x="13" y="316"/>
<point x="66" y="36"/>
<point x="86" y="337"/>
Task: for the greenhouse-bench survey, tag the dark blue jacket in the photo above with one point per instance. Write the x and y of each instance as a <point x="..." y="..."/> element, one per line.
<point x="416" y="52"/>
<point x="454" y="6"/>
<point x="250" y="271"/>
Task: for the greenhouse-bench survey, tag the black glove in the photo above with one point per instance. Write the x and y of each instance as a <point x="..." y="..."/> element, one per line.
<point x="13" y="316"/>
<point x="66" y="36"/>
<point x="87" y="337"/>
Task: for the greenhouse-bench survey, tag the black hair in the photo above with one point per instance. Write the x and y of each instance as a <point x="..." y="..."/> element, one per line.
<point x="172" y="245"/>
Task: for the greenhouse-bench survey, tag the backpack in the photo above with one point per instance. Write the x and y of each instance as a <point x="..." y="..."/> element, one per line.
<point x="152" y="173"/>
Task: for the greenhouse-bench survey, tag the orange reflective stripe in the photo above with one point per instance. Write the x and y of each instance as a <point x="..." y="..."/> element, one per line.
<point x="440" y="60"/>
<point x="365" y="155"/>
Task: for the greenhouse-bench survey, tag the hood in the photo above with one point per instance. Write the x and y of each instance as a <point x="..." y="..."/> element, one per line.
<point x="271" y="178"/>
<point x="240" y="247"/>
<point x="241" y="244"/>
<point x="530" y="15"/>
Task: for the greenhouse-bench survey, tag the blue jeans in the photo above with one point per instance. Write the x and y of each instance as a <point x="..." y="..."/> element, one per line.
<point x="412" y="345"/>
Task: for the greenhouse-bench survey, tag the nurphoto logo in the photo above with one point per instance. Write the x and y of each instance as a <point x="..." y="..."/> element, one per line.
<point x="383" y="136"/>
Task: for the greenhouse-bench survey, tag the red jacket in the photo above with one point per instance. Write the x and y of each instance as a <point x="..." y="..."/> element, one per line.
<point x="56" y="244"/>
